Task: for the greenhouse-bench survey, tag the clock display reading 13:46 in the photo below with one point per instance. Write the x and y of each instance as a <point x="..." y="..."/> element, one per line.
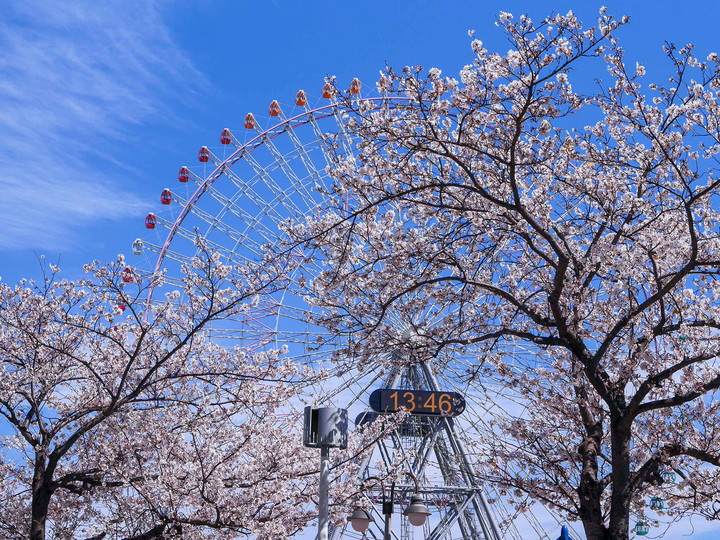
<point x="424" y="402"/>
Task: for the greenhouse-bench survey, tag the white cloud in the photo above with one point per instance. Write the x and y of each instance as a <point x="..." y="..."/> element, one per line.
<point x="73" y="78"/>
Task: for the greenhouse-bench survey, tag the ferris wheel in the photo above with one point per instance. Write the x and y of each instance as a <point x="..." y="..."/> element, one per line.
<point x="239" y="195"/>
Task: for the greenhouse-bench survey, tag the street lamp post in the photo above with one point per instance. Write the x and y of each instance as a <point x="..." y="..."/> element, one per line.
<point x="416" y="512"/>
<point x="324" y="428"/>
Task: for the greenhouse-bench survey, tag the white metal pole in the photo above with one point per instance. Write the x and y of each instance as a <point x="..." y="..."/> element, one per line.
<point x="324" y="486"/>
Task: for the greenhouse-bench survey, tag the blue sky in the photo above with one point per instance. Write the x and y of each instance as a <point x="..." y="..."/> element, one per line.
<point x="102" y="102"/>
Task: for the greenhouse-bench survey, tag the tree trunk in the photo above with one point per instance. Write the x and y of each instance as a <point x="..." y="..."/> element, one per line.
<point x="620" y="497"/>
<point x="589" y="490"/>
<point x="41" y="494"/>
<point x="595" y="530"/>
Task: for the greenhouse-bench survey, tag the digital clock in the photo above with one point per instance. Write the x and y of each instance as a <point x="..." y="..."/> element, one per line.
<point x="423" y="402"/>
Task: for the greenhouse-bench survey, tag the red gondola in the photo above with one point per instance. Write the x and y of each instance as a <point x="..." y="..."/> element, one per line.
<point x="184" y="174"/>
<point x="355" y="86"/>
<point x="274" y="108"/>
<point x="150" y="221"/>
<point x="301" y="98"/>
<point x="204" y="155"/>
<point x="127" y="275"/>
<point x="166" y="196"/>
<point x="328" y="91"/>
<point x="225" y="136"/>
<point x="249" y="121"/>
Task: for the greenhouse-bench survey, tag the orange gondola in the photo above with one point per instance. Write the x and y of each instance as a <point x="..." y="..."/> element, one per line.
<point x="383" y="84"/>
<point x="300" y="98"/>
<point x="274" y="109"/>
<point x="355" y="86"/>
<point x="328" y="91"/>
<point x="249" y="121"/>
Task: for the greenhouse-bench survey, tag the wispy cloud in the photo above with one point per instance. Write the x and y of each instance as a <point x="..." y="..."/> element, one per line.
<point x="74" y="75"/>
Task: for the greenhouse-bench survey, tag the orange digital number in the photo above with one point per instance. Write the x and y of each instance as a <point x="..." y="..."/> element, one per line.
<point x="445" y="404"/>
<point x="430" y="403"/>
<point x="410" y="397"/>
<point x="394" y="397"/>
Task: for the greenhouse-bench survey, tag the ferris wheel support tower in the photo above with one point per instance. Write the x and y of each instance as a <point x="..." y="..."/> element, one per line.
<point x="434" y="443"/>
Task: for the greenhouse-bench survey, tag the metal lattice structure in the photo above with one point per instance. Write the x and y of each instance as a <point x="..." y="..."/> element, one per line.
<point x="430" y="448"/>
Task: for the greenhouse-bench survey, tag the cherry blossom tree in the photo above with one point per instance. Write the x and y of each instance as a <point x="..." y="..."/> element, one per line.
<point x="126" y="421"/>
<point x="560" y="239"/>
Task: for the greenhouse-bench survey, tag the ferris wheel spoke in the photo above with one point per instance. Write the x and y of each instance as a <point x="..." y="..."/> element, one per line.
<point x="344" y="137"/>
<point x="325" y="138"/>
<point x="217" y="225"/>
<point x="245" y="193"/>
<point x="231" y="204"/>
<point x="282" y="161"/>
<point x="315" y="175"/>
<point x="178" y="257"/>
<point x="191" y="236"/>
<point x="281" y="197"/>
<point x="303" y="152"/>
